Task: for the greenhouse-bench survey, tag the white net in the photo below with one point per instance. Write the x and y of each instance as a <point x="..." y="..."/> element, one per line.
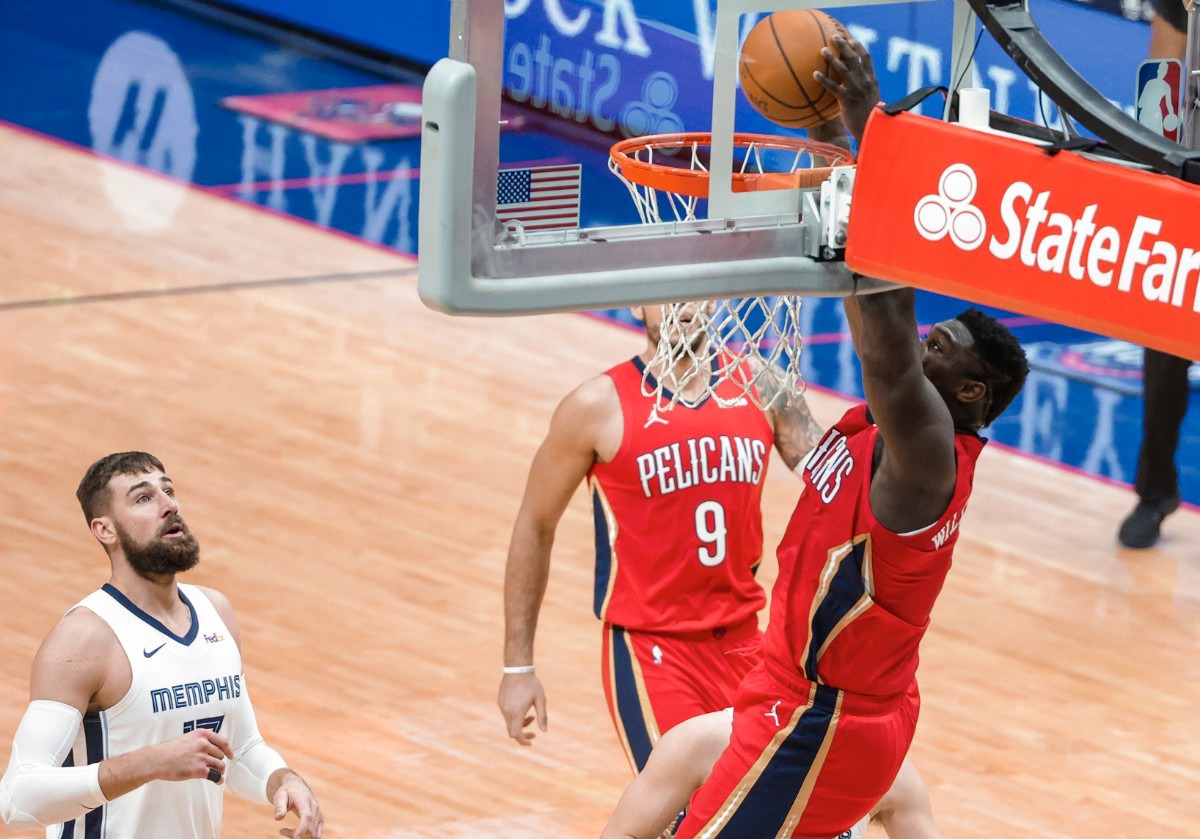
<point x="729" y="351"/>
<point x="752" y="343"/>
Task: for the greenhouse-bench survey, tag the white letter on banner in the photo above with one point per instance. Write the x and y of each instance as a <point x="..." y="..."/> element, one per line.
<point x="562" y="23"/>
<point x="635" y="44"/>
<point x="1012" y="221"/>
<point x="922" y="58"/>
<point x="863" y="34"/>
<point x="515" y="8"/>
<point x="1158" y="276"/>
<point x="1135" y="254"/>
<point x="1189" y="263"/>
<point x="267" y="160"/>
<point x="706" y="37"/>
<point x="1103" y="451"/>
<point x="324" y="196"/>
<point x="1105" y="248"/>
<point x="1003" y="79"/>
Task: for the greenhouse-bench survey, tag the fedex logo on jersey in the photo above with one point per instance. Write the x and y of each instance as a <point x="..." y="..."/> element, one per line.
<point x="701" y="460"/>
<point x="1074" y="239"/>
<point x="214" y="638"/>
<point x="829" y="464"/>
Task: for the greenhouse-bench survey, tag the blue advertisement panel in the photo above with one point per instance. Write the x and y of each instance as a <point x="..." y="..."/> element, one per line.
<point x="418" y="30"/>
<point x="640" y="67"/>
<point x="646" y="64"/>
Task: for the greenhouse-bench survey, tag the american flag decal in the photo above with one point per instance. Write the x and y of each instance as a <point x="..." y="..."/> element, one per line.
<point x="540" y="198"/>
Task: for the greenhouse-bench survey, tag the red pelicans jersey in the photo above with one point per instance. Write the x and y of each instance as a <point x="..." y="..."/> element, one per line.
<point x="677" y="511"/>
<point x="852" y="600"/>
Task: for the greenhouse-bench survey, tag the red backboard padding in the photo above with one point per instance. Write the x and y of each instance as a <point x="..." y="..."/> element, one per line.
<point x="999" y="221"/>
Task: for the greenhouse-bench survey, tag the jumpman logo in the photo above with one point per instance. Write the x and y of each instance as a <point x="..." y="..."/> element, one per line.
<point x="774" y="712"/>
<point x="654" y="417"/>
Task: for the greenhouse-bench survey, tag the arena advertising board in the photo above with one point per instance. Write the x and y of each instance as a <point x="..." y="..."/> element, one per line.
<point x="1000" y="221"/>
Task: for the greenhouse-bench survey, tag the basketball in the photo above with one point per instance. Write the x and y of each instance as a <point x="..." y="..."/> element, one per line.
<point x="777" y="63"/>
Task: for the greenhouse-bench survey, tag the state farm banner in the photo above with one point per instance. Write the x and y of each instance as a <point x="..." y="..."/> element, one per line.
<point x="1002" y="222"/>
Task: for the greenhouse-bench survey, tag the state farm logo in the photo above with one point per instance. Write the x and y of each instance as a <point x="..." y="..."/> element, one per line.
<point x="1050" y="232"/>
<point x="951" y="212"/>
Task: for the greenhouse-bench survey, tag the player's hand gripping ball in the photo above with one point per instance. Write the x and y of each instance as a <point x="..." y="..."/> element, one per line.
<point x="777" y="63"/>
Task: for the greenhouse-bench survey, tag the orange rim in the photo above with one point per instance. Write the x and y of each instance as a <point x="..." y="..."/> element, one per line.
<point x="694" y="182"/>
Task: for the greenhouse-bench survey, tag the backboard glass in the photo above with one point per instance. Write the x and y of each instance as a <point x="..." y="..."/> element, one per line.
<point x="472" y="262"/>
<point x="598" y="255"/>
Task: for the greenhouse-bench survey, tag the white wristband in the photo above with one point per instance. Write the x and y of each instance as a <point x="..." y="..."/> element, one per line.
<point x="518" y="670"/>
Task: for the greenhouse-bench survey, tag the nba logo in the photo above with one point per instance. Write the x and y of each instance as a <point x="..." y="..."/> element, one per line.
<point x="1159" y="88"/>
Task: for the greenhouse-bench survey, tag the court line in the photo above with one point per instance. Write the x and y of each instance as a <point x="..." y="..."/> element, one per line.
<point x="236" y="285"/>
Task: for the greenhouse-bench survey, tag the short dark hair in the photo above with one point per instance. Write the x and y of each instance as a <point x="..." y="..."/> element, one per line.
<point x="1003" y="359"/>
<point x="91" y="491"/>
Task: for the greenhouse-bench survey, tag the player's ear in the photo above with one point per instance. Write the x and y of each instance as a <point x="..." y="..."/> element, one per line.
<point x="971" y="390"/>
<point x="102" y="528"/>
<point x="638" y="312"/>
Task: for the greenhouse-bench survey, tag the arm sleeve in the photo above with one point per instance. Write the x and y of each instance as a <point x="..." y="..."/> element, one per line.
<point x="37" y="789"/>
<point x="253" y="760"/>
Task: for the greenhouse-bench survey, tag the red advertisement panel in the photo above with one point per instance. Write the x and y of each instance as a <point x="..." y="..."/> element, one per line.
<point x="999" y="221"/>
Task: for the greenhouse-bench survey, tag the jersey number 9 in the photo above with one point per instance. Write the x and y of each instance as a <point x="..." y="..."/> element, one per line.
<point x="711" y="531"/>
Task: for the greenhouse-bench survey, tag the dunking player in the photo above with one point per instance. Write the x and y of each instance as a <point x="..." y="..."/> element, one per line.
<point x="680" y="604"/>
<point x="139" y="711"/>
<point x="676" y="495"/>
<point x="822" y="724"/>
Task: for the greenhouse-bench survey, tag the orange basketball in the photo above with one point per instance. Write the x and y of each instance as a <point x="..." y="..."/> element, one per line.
<point x="777" y="63"/>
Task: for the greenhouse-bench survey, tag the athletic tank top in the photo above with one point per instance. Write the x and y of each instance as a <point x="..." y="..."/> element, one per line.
<point x="853" y="599"/>
<point x="677" y="511"/>
<point x="179" y="683"/>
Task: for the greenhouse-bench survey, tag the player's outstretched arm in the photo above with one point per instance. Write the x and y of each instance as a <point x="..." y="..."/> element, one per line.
<point x="561" y="463"/>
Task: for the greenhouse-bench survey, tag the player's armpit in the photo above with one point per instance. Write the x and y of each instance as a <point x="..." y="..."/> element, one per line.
<point x="37" y="789"/>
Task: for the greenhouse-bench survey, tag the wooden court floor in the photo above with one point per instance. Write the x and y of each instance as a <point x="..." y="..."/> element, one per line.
<point x="352" y="461"/>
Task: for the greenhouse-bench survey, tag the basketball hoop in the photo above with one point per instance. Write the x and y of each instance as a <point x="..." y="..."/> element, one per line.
<point x="675" y="165"/>
<point x="753" y="342"/>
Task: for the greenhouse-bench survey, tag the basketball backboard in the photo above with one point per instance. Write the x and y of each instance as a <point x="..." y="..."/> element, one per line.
<point x="471" y="262"/>
<point x="737" y="244"/>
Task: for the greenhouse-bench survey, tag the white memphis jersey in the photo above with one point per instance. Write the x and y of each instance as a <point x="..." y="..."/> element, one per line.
<point x="180" y="683"/>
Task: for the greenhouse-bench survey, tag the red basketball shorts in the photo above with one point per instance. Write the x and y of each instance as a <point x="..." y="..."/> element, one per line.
<point x="805" y="760"/>
<point x="654" y="681"/>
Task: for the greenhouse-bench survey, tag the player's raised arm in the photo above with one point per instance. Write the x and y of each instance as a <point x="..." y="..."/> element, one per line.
<point x="857" y="91"/>
<point x="915" y="471"/>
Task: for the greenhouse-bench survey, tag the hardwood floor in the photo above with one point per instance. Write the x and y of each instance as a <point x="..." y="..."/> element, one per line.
<point x="352" y="462"/>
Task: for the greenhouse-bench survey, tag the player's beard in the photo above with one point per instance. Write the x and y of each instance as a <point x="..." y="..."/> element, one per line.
<point x="161" y="557"/>
<point x="692" y="343"/>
